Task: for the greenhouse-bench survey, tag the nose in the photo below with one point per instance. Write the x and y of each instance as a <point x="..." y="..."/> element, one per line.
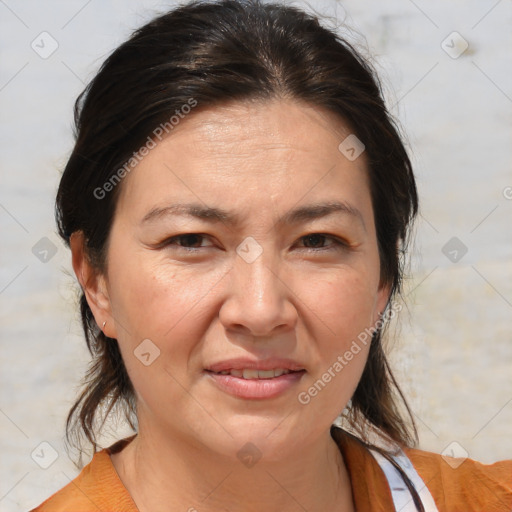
<point x="259" y="300"/>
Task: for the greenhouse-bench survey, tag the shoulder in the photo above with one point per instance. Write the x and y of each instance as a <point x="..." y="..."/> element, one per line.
<point x="97" y="487"/>
<point x="456" y="485"/>
<point x="459" y="484"/>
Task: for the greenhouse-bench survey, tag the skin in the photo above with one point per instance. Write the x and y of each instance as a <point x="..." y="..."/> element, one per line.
<point x="300" y="299"/>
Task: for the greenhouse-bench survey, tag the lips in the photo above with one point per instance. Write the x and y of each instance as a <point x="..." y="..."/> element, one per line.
<point x="255" y="379"/>
<point x="253" y="368"/>
<point x="248" y="373"/>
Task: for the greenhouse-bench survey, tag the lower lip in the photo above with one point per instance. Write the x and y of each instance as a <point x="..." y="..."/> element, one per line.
<point x="256" y="388"/>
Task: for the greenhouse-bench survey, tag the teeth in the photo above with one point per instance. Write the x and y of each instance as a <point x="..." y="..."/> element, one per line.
<point x="252" y="374"/>
<point x="255" y="374"/>
<point x="264" y="374"/>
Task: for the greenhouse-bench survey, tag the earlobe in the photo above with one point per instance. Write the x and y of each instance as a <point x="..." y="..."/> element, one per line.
<point x="93" y="283"/>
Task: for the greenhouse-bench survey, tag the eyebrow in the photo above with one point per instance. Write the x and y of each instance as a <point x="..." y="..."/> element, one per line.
<point x="214" y="215"/>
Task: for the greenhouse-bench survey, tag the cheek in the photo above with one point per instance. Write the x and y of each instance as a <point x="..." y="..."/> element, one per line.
<point x="165" y="303"/>
<point x="343" y="306"/>
<point x="145" y="290"/>
<point x="344" y="303"/>
<point x="159" y="320"/>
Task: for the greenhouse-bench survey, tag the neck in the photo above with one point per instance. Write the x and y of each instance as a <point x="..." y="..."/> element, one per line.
<point x="167" y="473"/>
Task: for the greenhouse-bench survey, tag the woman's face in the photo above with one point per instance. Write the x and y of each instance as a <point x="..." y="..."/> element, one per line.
<point x="255" y="276"/>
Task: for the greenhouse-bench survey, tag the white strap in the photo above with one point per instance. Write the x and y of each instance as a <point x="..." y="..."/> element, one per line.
<point x="402" y="498"/>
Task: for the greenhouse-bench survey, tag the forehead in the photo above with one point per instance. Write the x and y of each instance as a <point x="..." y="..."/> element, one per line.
<point x="238" y="129"/>
<point x="247" y="154"/>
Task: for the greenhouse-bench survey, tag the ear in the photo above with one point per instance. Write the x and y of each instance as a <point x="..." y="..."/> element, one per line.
<point x="94" y="285"/>
<point x="381" y="301"/>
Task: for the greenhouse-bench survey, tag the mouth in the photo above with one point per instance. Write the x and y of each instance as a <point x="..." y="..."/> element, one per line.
<point x="251" y="373"/>
<point x="255" y="382"/>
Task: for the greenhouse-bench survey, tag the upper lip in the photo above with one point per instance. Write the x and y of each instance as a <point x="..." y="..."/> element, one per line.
<point x="243" y="363"/>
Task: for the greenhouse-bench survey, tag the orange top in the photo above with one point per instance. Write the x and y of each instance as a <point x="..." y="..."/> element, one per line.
<point x="471" y="487"/>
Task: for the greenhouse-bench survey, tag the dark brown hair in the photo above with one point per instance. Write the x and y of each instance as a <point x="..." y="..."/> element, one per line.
<point x="217" y="52"/>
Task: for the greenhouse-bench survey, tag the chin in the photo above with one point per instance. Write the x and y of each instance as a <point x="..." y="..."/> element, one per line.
<point x="260" y="437"/>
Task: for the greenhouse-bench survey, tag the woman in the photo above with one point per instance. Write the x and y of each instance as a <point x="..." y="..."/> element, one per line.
<point x="237" y="205"/>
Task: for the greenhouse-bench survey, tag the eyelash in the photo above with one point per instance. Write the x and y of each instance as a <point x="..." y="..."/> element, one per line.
<point x="337" y="243"/>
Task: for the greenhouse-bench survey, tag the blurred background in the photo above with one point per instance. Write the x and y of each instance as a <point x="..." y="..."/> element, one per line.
<point x="446" y="72"/>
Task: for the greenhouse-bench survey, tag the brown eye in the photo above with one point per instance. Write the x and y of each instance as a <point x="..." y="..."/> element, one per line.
<point x="317" y="240"/>
<point x="187" y="241"/>
<point x="191" y="239"/>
